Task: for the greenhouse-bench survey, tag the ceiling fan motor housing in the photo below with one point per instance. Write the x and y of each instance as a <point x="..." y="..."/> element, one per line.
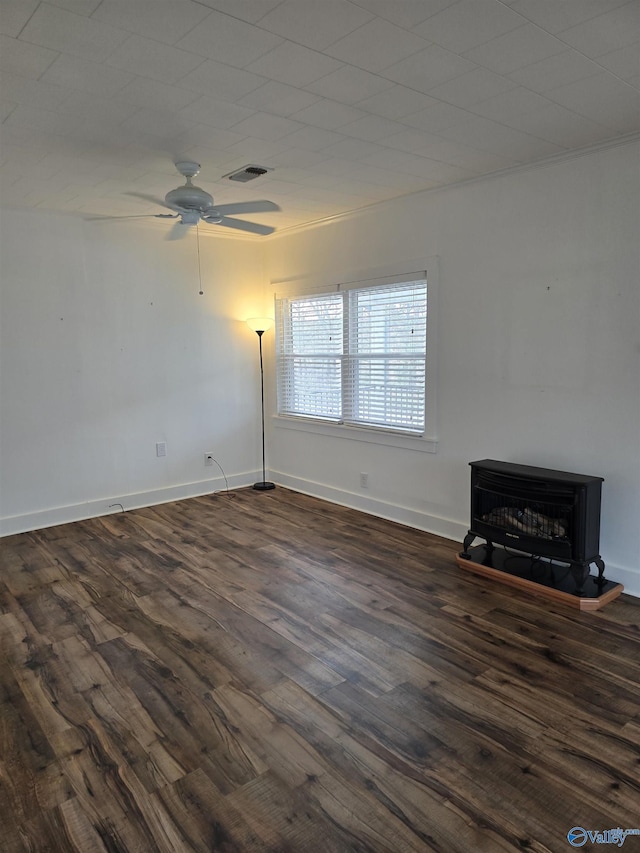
<point x="189" y="197"/>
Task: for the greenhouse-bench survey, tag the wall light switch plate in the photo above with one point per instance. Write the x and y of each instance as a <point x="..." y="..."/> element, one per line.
<point x="161" y="448"/>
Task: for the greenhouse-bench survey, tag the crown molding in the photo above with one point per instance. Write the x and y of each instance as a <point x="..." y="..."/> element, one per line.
<point x="545" y="162"/>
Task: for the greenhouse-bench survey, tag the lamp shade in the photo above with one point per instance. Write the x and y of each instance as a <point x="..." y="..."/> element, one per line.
<point x="260" y="324"/>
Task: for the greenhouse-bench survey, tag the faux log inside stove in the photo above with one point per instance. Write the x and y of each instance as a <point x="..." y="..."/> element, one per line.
<point x="547" y="524"/>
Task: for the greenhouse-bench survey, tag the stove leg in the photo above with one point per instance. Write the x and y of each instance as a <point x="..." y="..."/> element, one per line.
<point x="601" y="581"/>
<point x="488" y="556"/>
<point x="468" y="539"/>
<point x="580" y="572"/>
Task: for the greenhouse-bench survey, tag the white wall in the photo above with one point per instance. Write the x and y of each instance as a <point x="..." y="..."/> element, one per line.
<point x="538" y="345"/>
<point x="105" y="349"/>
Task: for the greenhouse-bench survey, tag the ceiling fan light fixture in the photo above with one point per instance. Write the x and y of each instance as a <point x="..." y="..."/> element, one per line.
<point x="190" y="217"/>
<point x="190" y="204"/>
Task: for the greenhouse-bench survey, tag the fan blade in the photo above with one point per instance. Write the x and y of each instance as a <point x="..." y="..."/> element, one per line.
<point x="178" y="231"/>
<point x="136" y="216"/>
<point x="261" y="206"/>
<point x="150" y="198"/>
<point x="243" y="225"/>
<point x="159" y="201"/>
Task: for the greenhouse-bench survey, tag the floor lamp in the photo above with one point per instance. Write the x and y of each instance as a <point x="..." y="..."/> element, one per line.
<point x="260" y="325"/>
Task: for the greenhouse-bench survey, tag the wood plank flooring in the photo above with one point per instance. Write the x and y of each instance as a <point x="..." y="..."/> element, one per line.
<point x="264" y="671"/>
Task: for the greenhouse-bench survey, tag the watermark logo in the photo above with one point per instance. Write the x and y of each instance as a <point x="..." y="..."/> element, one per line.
<point x="578" y="837"/>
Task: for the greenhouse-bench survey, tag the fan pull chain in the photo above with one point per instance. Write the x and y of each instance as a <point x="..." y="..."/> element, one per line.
<point x="201" y="291"/>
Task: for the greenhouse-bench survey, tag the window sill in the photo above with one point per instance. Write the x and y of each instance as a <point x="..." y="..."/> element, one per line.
<point x="369" y="435"/>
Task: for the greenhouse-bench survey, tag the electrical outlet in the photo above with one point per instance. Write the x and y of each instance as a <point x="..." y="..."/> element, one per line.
<point x="161" y="448"/>
<point x="364" y="480"/>
<point x="208" y="458"/>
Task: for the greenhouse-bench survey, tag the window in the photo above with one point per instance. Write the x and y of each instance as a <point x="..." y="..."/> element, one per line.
<point x="356" y="356"/>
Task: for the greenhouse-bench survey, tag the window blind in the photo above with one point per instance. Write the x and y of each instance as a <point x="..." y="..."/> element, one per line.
<point x="386" y="356"/>
<point x="357" y="356"/>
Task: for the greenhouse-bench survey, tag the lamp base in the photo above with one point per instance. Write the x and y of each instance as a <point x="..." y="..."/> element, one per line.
<point x="264" y="486"/>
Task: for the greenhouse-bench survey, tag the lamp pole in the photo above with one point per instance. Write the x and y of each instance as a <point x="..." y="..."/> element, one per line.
<point x="260" y="325"/>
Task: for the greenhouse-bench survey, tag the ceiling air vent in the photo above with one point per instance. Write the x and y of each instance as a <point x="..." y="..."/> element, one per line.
<point x="247" y="173"/>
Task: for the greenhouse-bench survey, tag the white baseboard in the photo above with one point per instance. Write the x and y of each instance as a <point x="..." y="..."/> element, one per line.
<point x="629" y="579"/>
<point x="403" y="515"/>
<point x="447" y="528"/>
<point x="106" y="506"/>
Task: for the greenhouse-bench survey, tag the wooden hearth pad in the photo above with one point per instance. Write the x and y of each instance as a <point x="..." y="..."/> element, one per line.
<point x="552" y="581"/>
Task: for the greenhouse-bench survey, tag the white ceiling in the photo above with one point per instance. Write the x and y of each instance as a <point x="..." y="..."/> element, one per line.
<point x="348" y="101"/>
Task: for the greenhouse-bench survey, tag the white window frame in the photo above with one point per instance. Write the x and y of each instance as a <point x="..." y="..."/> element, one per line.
<point x="427" y="441"/>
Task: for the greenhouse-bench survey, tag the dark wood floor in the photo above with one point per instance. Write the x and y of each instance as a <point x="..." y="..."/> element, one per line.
<point x="270" y="672"/>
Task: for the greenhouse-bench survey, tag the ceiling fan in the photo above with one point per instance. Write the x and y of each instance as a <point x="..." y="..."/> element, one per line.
<point x="193" y="204"/>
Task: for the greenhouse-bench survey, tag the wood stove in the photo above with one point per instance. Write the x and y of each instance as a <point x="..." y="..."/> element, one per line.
<point x="550" y="515"/>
